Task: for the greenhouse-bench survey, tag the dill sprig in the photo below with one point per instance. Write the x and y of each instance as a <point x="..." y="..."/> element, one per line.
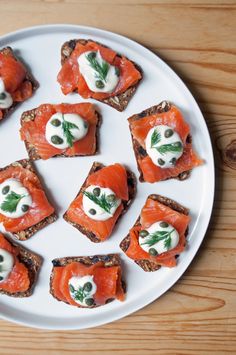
<point x="169" y="148"/>
<point x="67" y="126"/>
<point x="11" y="202"/>
<point x="155" y="138"/>
<point x="156" y="237"/>
<point x="101" y="69"/>
<point x="100" y="201"/>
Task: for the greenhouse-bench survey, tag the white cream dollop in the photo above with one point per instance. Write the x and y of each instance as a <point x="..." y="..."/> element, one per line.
<point x="91" y="76"/>
<point x="165" y="135"/>
<point x="167" y="230"/>
<point x="90" y="206"/>
<point x="82" y="289"/>
<point x="7" y="190"/>
<point x="6" y="100"/>
<point x="6" y="264"/>
<point x="53" y="130"/>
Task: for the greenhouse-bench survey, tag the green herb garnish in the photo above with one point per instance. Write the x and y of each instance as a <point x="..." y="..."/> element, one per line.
<point x="155" y="138"/>
<point x="169" y="148"/>
<point x="11" y="202"/>
<point x="78" y="295"/>
<point x="101" y="69"/>
<point x="156" y="237"/>
<point x="101" y="201"/>
<point x="67" y="126"/>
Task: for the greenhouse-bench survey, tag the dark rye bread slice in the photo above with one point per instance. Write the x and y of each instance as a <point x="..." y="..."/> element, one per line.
<point x="131" y="180"/>
<point x="139" y="151"/>
<point x="31" y="149"/>
<point x="27" y="233"/>
<point x="33" y="263"/>
<point x="119" y="102"/>
<point x="8" y="51"/>
<point x="108" y="260"/>
<point x="146" y="264"/>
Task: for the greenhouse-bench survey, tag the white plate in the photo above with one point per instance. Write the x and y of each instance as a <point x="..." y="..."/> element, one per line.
<point x="40" y="47"/>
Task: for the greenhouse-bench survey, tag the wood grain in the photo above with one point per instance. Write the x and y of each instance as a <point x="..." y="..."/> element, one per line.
<point x="197" y="39"/>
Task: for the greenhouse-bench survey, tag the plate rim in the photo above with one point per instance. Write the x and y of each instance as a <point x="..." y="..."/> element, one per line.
<point x="58" y="27"/>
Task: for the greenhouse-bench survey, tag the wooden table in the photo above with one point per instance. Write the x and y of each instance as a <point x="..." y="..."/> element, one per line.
<point x="197" y="39"/>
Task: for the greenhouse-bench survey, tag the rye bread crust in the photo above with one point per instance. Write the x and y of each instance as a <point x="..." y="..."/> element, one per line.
<point x="31" y="149"/>
<point x="131" y="180"/>
<point x="120" y="101"/>
<point x="33" y="263"/>
<point x="108" y="260"/>
<point x="145" y="264"/>
<point x="28" y="232"/>
<point x="29" y="77"/>
<point x="139" y="151"/>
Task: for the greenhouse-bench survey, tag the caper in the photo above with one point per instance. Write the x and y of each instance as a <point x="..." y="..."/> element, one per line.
<point x="56" y="140"/>
<point x="173" y="161"/>
<point x="152" y="252"/>
<point x="117" y="71"/>
<point x="5" y="190"/>
<point x="92" y="54"/>
<point x="89" y="301"/>
<point x="111" y="198"/>
<point x="85" y="124"/>
<point x="88" y="286"/>
<point x="164" y="224"/>
<point x="99" y="84"/>
<point x="168" y="133"/>
<point x="55" y="122"/>
<point x="143" y="233"/>
<point x="160" y="161"/>
<point x="3" y="95"/>
<point x="92" y="211"/>
<point x="96" y="191"/>
<point x="177" y="144"/>
<point x="1" y="258"/>
<point x="25" y="208"/>
<point x="1" y="278"/>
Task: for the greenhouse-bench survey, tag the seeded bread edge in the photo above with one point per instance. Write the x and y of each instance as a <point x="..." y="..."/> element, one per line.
<point x="118" y="102"/>
<point x="131" y="180"/>
<point x="145" y="264"/>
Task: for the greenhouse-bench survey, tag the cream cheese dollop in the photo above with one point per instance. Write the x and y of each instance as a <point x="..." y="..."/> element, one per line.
<point x="159" y="238"/>
<point x="15" y="199"/>
<point x="62" y="130"/>
<point x="6" y="264"/>
<point x="104" y="79"/>
<point x="6" y="99"/>
<point x="82" y="290"/>
<point x="164" y="146"/>
<point x="106" y="197"/>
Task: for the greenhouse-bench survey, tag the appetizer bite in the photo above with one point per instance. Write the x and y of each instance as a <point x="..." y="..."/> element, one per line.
<point x="162" y="143"/>
<point x="103" y="198"/>
<point x="16" y="83"/>
<point x="96" y="71"/>
<point x="159" y="234"/>
<point x="19" y="269"/>
<point x="87" y="281"/>
<point x="63" y="130"/>
<point x="24" y="207"/>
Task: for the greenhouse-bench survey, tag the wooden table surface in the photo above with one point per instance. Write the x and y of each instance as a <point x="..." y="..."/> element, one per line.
<point x="196" y="38"/>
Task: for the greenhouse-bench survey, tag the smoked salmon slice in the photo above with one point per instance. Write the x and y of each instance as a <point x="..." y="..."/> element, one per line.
<point x="140" y="125"/>
<point x="71" y="79"/>
<point x="113" y="177"/>
<point x="104" y="272"/>
<point x="39" y="214"/>
<point x="33" y="131"/>
<point x="156" y="209"/>
<point x="17" y="80"/>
